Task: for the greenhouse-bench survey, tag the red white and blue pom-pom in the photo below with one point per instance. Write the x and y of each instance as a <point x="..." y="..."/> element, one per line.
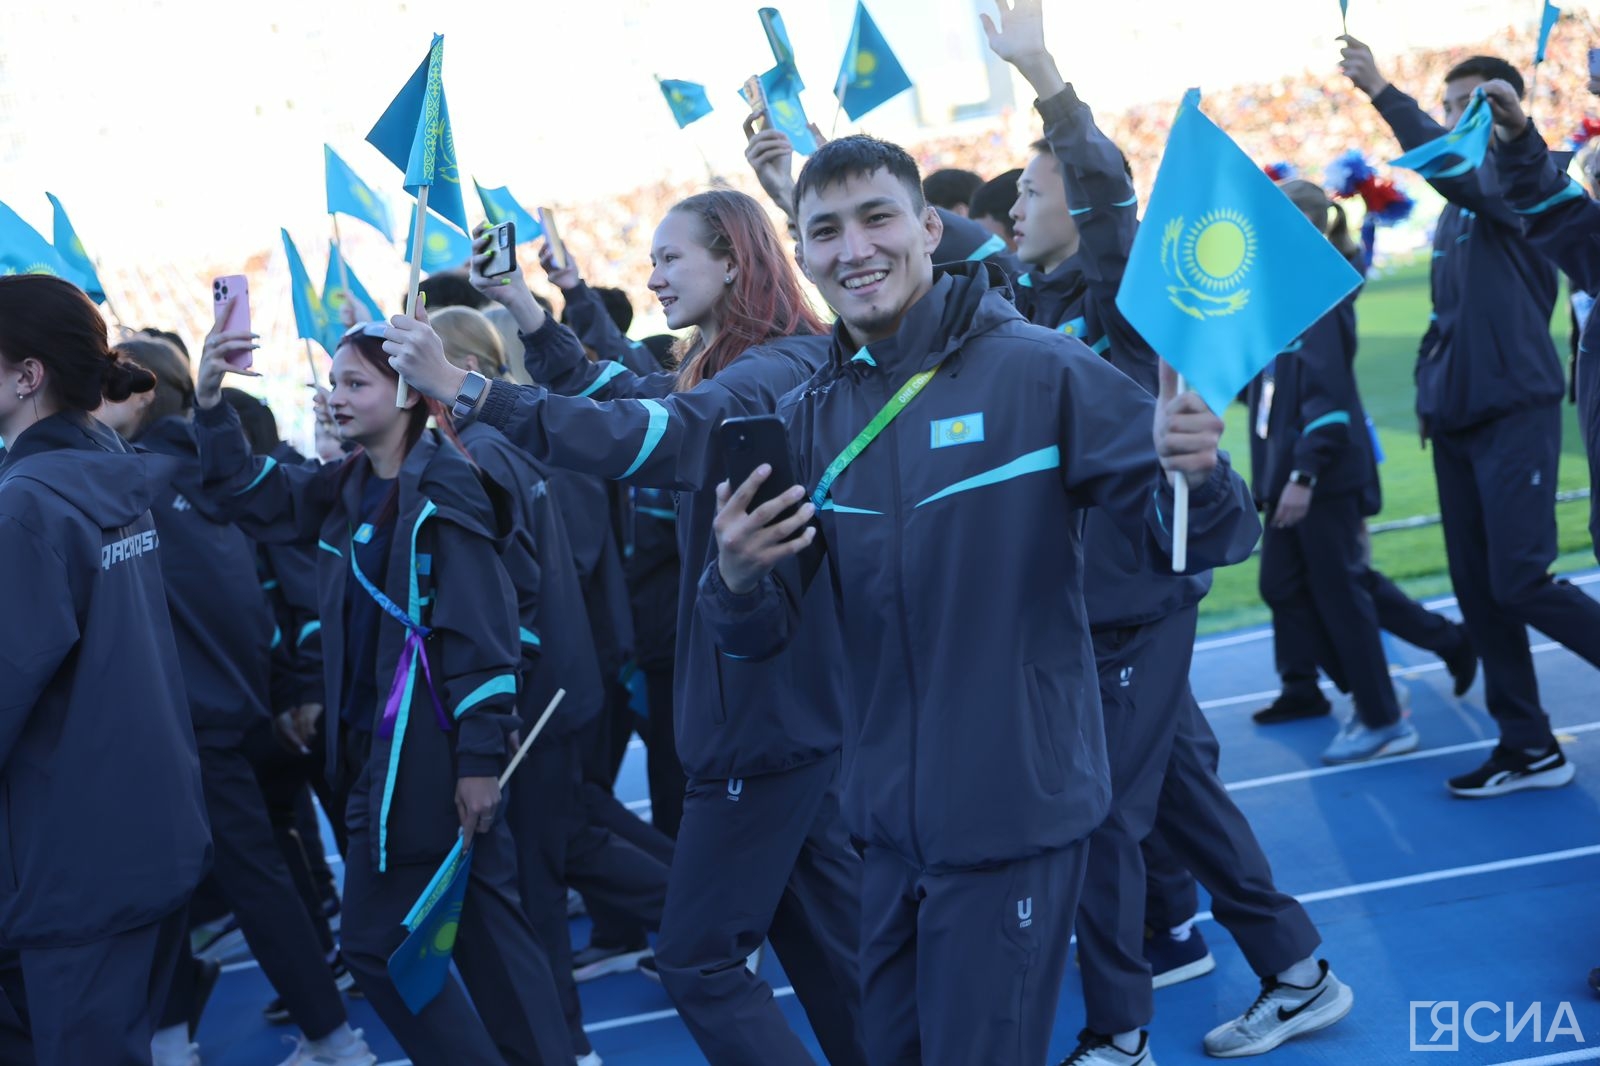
<point x="1585" y="133"/>
<point x="1351" y="175"/>
<point x="1281" y="171"/>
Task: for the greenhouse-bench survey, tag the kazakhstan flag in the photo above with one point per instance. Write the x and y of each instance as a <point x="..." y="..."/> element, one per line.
<point x="72" y="253"/>
<point x="784" y="110"/>
<point x="443" y="246"/>
<point x="1225" y="271"/>
<point x="310" y="317"/>
<point x="1458" y="152"/>
<point x="349" y="195"/>
<point x="420" y="966"/>
<point x="333" y="298"/>
<point x="414" y="134"/>
<point x="686" y="98"/>
<point x="24" y="251"/>
<point x="778" y="41"/>
<point x="870" y="75"/>
<point x="500" y="206"/>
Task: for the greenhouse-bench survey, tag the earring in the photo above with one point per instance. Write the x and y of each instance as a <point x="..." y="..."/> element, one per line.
<point x="727" y="279"/>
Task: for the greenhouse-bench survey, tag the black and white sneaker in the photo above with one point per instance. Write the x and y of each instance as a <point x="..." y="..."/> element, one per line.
<point x="1096" y="1050"/>
<point x="1282" y="1011"/>
<point x="1509" y="770"/>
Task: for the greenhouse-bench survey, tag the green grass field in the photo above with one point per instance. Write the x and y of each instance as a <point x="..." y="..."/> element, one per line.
<point x="1393" y="315"/>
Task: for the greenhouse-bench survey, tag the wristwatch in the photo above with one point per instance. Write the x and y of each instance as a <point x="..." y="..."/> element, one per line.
<point x="472" y="390"/>
<point x="1297" y="477"/>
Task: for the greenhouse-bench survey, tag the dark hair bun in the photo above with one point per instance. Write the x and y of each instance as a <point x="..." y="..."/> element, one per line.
<point x="124" y="378"/>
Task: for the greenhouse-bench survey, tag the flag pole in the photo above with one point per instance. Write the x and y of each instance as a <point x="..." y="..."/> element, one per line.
<point x="109" y="305"/>
<point x="311" y="363"/>
<point x="516" y="760"/>
<point x="403" y="392"/>
<point x="1180" y="518"/>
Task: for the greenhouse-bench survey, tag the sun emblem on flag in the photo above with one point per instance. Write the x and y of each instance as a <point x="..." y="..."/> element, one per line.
<point x="1209" y="262"/>
<point x="437" y="242"/>
<point x="784" y="110"/>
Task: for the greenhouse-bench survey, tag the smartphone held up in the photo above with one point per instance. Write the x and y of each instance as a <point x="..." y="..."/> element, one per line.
<point x="235" y="288"/>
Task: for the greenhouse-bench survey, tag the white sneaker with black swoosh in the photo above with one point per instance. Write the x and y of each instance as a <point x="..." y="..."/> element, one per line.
<point x="1280" y="1012"/>
<point x="1509" y="770"/>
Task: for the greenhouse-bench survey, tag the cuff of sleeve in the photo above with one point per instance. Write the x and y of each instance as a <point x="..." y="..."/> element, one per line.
<point x="1524" y="146"/>
<point x="499" y="404"/>
<point x="728" y="602"/>
<point x="1060" y="107"/>
<point x="218" y="415"/>
<point x="477" y="766"/>
<point x="1215" y="487"/>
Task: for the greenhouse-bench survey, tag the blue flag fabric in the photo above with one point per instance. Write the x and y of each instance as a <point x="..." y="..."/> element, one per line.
<point x="420" y="966"/>
<point x="349" y="195"/>
<point x="1225" y="271"/>
<point x="24" y="251"/>
<point x="414" y="134"/>
<point x="870" y="74"/>
<point x="72" y="253"/>
<point x="687" y="100"/>
<point x="443" y="246"/>
<point x="333" y="298"/>
<point x="500" y="206"/>
<point x="785" y="111"/>
<point x="310" y="317"/>
<point x="1458" y="152"/>
<point x="778" y="41"/>
<point x="1547" y="22"/>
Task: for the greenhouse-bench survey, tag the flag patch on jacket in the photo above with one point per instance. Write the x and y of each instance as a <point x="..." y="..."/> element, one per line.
<point x="962" y="429"/>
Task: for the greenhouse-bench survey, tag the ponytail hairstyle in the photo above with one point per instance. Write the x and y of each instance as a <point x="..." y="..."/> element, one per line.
<point x="50" y="320"/>
<point x="1327" y="215"/>
<point x="765" y="299"/>
<point x="369" y="346"/>
<point x="173" y="387"/>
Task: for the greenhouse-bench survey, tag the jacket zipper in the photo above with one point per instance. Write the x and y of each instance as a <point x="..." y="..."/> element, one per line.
<point x="905" y="639"/>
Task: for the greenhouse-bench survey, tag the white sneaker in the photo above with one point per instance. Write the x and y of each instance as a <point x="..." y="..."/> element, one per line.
<point x="1282" y="1011"/>
<point x="355" y="1053"/>
<point x="1096" y="1050"/>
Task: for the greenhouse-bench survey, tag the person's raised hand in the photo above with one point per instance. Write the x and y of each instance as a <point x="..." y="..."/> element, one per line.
<point x="747" y="546"/>
<point x="1509" y="118"/>
<point x="564" y="278"/>
<point x="771" y="155"/>
<point x="1187" y="433"/>
<point x="417" y="355"/>
<point x="352" y="311"/>
<point x="508" y="290"/>
<point x="1358" y="64"/>
<point x="1019" y="40"/>
<point x="219" y="346"/>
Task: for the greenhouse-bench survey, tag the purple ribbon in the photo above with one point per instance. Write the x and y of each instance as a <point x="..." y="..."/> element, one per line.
<point x="397" y="691"/>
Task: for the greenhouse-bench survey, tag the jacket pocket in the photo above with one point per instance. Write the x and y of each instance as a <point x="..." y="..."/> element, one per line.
<point x="1047" y="761"/>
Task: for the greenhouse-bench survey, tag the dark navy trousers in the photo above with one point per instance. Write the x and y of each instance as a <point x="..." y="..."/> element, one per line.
<point x="764" y="858"/>
<point x="254" y="878"/>
<point x="557" y="846"/>
<point x="92" y="1003"/>
<point x="1497" y="485"/>
<point x="514" y="1015"/>
<point x="1312" y="578"/>
<point x="965" y="966"/>
<point x="1164" y="776"/>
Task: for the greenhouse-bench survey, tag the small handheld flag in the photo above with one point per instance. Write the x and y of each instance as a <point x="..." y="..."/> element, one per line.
<point x="72" y="253"/>
<point x="1457" y="152"/>
<point x="500" y="206"/>
<point x="687" y="100"/>
<point x="1547" y="22"/>
<point x="784" y="110"/>
<point x="24" y="251"/>
<point x="420" y="966"/>
<point x="1344" y="17"/>
<point x="339" y="278"/>
<point x="778" y="41"/>
<point x="870" y="74"/>
<point x="310" y="317"/>
<point x="349" y="195"/>
<point x="443" y="246"/>
<point x="414" y="134"/>
<point x="1225" y="271"/>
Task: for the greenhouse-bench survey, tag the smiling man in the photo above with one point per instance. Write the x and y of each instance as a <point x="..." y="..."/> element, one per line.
<point x="948" y="450"/>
